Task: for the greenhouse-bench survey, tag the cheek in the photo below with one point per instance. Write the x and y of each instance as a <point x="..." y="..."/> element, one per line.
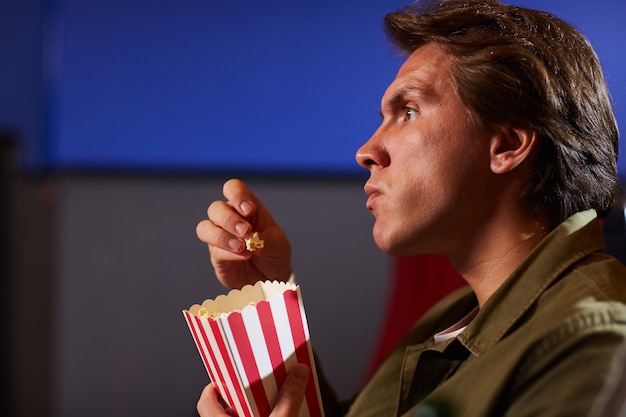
<point x="429" y="187"/>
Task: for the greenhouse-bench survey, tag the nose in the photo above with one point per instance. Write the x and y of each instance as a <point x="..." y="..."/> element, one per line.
<point x="372" y="153"/>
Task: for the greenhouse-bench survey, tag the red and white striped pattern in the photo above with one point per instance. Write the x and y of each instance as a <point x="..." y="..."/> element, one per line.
<point x="247" y="354"/>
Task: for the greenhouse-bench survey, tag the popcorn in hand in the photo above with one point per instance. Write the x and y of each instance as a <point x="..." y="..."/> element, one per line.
<point x="254" y="242"/>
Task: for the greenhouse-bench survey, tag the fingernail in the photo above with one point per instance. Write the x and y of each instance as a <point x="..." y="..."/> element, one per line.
<point x="234" y="244"/>
<point x="242" y="229"/>
<point x="301" y="372"/>
<point x="246" y="208"/>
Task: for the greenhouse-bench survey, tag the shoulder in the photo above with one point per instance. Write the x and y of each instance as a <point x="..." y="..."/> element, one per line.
<point x="587" y="320"/>
<point x="587" y="301"/>
<point x="587" y="335"/>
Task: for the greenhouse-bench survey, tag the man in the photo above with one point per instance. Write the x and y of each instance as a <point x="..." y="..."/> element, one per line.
<point x="497" y="148"/>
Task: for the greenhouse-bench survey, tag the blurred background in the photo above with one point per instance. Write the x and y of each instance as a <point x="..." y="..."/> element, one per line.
<point x="119" y="122"/>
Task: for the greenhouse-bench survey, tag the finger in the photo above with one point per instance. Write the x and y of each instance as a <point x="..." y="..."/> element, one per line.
<point x="291" y="394"/>
<point x="240" y="197"/>
<point x="217" y="237"/>
<point x="223" y="215"/>
<point x="209" y="403"/>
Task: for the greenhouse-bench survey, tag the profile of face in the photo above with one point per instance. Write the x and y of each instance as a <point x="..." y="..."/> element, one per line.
<point x="428" y="161"/>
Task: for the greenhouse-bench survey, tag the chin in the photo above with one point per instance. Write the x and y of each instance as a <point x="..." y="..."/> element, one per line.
<point x="402" y="252"/>
<point x="392" y="248"/>
<point x="396" y="246"/>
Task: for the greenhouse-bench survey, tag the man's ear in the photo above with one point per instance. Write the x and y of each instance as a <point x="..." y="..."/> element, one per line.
<point x="510" y="147"/>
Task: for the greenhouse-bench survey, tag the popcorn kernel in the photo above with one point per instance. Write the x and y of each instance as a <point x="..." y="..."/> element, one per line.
<point x="254" y="242"/>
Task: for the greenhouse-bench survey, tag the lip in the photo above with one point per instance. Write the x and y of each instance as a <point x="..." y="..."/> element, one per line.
<point x="373" y="193"/>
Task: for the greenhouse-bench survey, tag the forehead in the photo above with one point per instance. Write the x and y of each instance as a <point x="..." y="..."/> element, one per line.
<point x="425" y="72"/>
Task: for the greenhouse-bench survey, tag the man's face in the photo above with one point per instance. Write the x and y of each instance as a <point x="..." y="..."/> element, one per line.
<point x="428" y="162"/>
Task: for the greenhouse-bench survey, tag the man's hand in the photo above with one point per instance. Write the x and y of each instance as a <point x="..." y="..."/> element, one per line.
<point x="291" y="393"/>
<point x="230" y="222"/>
<point x="288" y="402"/>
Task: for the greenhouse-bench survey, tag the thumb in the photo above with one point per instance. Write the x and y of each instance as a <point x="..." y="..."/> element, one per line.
<point x="291" y="393"/>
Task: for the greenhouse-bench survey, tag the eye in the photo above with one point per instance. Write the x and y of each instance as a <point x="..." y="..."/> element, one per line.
<point x="410" y="113"/>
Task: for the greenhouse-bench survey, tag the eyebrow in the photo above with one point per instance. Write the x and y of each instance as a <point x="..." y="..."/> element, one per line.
<point x="398" y="98"/>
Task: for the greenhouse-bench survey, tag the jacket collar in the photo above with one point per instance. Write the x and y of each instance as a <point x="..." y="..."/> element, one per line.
<point x="575" y="238"/>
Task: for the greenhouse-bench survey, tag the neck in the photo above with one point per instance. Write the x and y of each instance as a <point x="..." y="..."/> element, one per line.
<point x="497" y="250"/>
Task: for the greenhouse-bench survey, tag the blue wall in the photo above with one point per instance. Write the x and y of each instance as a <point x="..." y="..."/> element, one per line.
<point x="21" y="84"/>
<point x="214" y="86"/>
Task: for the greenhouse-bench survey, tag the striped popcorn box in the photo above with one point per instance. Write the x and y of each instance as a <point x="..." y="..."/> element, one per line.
<point x="248" y="341"/>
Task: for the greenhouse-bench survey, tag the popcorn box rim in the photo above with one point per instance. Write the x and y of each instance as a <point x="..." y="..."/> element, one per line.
<point x="236" y="300"/>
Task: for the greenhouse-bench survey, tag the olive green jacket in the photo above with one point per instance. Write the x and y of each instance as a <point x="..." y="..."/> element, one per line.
<point x="543" y="345"/>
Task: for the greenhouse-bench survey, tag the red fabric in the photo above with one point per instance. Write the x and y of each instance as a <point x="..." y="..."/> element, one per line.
<point x="418" y="282"/>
